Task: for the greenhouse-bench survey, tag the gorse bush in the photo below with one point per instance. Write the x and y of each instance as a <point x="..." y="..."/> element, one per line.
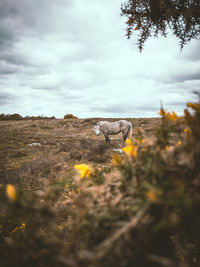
<point x="70" y="116"/>
<point x="143" y="209"/>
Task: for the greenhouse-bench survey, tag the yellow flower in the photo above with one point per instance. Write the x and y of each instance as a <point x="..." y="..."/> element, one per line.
<point x="83" y="169"/>
<point x="67" y="186"/>
<point x="167" y="115"/>
<point x="130" y="150"/>
<point x="166" y="147"/>
<point x="116" y="159"/>
<point x="19" y="227"/>
<point x="60" y="227"/>
<point x="140" y="141"/>
<point x="128" y="141"/>
<point x="187" y="131"/>
<point x="193" y="105"/>
<point x="179" y="142"/>
<point x="10" y="191"/>
<point x="151" y="196"/>
<point x="162" y="112"/>
<point x="173" y="116"/>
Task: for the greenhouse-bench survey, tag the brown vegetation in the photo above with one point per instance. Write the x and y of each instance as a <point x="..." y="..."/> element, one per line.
<point x="139" y="208"/>
<point x="70" y="116"/>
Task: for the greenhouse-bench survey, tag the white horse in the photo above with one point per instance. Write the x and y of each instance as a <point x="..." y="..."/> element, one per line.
<point x="111" y="128"/>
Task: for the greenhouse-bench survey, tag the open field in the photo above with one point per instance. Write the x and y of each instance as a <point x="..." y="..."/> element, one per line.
<point x="69" y="200"/>
<point x="73" y="140"/>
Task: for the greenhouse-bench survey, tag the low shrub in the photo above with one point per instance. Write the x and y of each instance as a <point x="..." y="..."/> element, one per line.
<point x="10" y="117"/>
<point x="70" y="116"/>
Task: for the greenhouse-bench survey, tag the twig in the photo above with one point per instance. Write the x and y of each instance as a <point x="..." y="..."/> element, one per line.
<point x="164" y="261"/>
<point x="103" y="248"/>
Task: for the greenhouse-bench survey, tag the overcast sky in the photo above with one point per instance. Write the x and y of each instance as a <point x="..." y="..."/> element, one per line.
<point x="72" y="56"/>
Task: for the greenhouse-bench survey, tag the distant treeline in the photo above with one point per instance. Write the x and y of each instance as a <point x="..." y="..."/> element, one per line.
<point x="19" y="117"/>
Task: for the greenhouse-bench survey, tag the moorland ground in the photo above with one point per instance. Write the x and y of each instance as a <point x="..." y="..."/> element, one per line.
<point x="54" y="146"/>
<point x="143" y="203"/>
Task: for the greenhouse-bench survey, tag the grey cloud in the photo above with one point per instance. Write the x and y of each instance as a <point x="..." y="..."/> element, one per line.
<point x="19" y="19"/>
<point x="186" y="76"/>
<point x="143" y="107"/>
<point x="7" y="68"/>
<point x="6" y="98"/>
<point x="176" y="104"/>
<point x="111" y="109"/>
<point x="10" y="56"/>
<point x="62" y="58"/>
<point x="123" y="109"/>
<point x="6" y="35"/>
<point x="194" y="53"/>
<point x="30" y="14"/>
<point x="47" y="88"/>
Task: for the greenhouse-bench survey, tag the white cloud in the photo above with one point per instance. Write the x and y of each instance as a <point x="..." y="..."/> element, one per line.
<point x="68" y="57"/>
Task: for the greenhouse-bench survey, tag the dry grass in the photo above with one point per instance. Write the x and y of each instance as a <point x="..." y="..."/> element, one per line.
<point x="140" y="209"/>
<point x="26" y="141"/>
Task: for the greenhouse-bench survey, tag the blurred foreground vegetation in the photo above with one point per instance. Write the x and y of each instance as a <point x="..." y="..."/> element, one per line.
<point x="142" y="208"/>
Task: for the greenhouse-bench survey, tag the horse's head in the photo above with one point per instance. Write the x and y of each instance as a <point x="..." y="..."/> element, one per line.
<point x="97" y="128"/>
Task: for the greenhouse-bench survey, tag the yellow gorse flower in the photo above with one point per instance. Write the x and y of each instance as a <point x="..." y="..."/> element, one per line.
<point x="10" y="192"/>
<point x="130" y="150"/>
<point x="59" y="227"/>
<point x="162" y="112"/>
<point x="195" y="106"/>
<point x="151" y="196"/>
<point x="140" y="141"/>
<point x="83" y="169"/>
<point x="167" y="115"/>
<point x="128" y="142"/>
<point x="116" y="159"/>
<point x="22" y="226"/>
<point x="173" y="116"/>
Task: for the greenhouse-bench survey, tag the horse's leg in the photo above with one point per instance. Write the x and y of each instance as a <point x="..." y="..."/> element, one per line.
<point x="125" y="133"/>
<point x="107" y="139"/>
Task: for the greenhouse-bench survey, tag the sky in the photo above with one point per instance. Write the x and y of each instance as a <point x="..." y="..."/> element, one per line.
<point x="72" y="56"/>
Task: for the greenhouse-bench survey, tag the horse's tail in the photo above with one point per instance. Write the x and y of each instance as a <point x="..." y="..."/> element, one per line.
<point x="130" y="130"/>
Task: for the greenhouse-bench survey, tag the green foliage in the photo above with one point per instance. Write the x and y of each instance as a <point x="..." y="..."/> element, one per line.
<point x="153" y="17"/>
